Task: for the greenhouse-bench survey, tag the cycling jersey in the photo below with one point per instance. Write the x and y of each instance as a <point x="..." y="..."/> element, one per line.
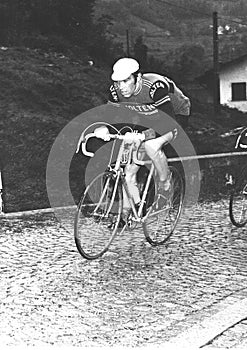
<point x="153" y="92"/>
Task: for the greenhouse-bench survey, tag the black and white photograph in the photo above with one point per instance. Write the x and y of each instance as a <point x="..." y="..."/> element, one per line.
<point x="123" y="174"/>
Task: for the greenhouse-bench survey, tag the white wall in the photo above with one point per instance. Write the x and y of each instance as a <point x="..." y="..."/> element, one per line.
<point x="233" y="74"/>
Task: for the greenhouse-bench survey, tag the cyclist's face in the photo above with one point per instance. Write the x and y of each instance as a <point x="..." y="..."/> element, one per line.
<point x="127" y="86"/>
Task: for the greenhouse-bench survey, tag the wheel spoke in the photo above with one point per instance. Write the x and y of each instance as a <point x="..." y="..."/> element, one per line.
<point x="159" y="224"/>
<point x="97" y="217"/>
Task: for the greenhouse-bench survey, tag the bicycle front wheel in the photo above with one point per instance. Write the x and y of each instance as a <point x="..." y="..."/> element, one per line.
<point x="160" y="224"/>
<point x="238" y="203"/>
<point x="98" y="215"/>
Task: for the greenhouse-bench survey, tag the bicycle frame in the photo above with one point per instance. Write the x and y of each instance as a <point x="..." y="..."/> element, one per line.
<point x="118" y="171"/>
<point x="137" y="214"/>
<point x="106" y="202"/>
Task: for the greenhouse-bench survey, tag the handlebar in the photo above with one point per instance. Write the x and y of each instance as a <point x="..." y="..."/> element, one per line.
<point x="128" y="137"/>
<point x="83" y="145"/>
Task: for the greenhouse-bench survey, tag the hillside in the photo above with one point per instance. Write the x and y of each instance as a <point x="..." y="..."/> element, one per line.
<point x="40" y="93"/>
<point x="167" y="26"/>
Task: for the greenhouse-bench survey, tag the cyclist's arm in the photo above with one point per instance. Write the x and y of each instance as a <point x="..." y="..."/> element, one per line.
<point x="113" y="96"/>
<point x="168" y="109"/>
<point x="159" y="92"/>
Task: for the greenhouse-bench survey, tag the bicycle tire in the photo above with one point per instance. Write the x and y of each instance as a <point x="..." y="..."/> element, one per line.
<point x="98" y="215"/>
<point x="159" y="225"/>
<point x="238" y="201"/>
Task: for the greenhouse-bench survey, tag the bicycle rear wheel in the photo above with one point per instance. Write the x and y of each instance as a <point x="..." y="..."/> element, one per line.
<point x="238" y="203"/>
<point x="160" y="224"/>
<point x="98" y="215"/>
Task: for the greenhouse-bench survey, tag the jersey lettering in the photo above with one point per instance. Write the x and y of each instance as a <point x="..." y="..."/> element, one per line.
<point x="157" y="85"/>
<point x="114" y="94"/>
<point x="155" y="92"/>
<point x="141" y="108"/>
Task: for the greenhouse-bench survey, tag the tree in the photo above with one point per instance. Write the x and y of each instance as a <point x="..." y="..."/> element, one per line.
<point x="140" y="51"/>
<point x="69" y="18"/>
<point x="102" y="44"/>
<point x="185" y="63"/>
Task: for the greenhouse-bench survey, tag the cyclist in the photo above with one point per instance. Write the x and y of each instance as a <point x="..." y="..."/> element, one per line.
<point x="146" y="94"/>
<point x="242" y="140"/>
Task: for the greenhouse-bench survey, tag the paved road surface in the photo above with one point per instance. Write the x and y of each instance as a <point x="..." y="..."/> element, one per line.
<point x="135" y="295"/>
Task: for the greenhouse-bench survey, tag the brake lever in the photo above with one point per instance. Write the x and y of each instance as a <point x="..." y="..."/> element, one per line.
<point x="82" y="142"/>
<point x="84" y="151"/>
<point x="81" y="139"/>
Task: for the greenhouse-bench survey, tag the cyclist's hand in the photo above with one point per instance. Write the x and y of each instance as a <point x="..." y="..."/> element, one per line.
<point x="130" y="137"/>
<point x="149" y="134"/>
<point x="102" y="133"/>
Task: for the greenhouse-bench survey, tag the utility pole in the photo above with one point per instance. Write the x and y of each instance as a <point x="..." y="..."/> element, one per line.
<point x="127" y="42"/>
<point x="1" y="193"/>
<point x="216" y="65"/>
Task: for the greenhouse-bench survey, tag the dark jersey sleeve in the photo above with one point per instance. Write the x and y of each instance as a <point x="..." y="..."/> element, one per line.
<point x="159" y="92"/>
<point x="113" y="95"/>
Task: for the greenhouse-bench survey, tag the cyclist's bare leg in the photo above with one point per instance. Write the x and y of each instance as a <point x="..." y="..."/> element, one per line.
<point x="131" y="180"/>
<point x="153" y="149"/>
<point x="131" y="176"/>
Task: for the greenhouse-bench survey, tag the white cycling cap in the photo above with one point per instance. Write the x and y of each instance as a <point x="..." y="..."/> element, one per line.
<point x="123" y="68"/>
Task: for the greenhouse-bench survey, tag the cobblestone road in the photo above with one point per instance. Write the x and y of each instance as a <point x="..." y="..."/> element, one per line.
<point x="135" y="295"/>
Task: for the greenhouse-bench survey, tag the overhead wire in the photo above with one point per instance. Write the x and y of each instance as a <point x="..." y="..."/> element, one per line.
<point x="232" y="20"/>
<point x="200" y="13"/>
<point x="219" y="17"/>
<point x="183" y="8"/>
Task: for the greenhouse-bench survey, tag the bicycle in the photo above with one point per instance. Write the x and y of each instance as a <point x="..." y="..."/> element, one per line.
<point x="98" y="215"/>
<point x="238" y="196"/>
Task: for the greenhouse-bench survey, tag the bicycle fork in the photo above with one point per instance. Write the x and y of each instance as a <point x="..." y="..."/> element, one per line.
<point x="113" y="195"/>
